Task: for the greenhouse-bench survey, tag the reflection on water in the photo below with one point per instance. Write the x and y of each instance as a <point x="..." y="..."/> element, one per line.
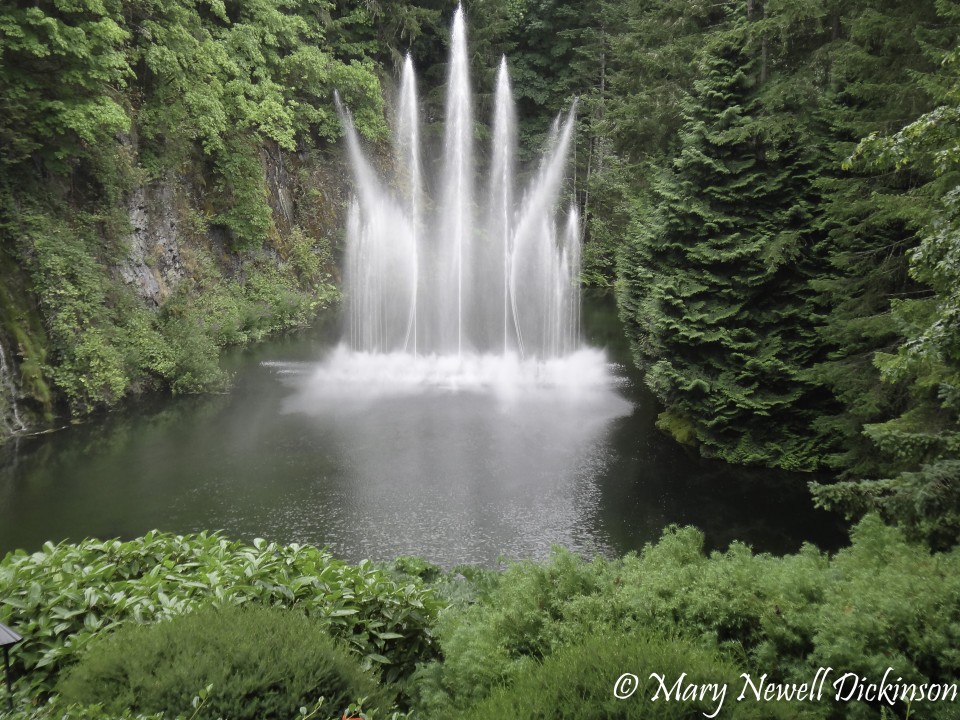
<point x="460" y="460"/>
<point x="460" y="467"/>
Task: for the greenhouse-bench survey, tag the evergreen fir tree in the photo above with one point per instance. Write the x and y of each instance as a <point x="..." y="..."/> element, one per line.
<point x="871" y="221"/>
<point x="712" y="279"/>
<point x="918" y="481"/>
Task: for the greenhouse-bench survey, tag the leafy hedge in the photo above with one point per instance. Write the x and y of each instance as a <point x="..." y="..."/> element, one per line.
<point x="65" y="595"/>
<point x="883" y="602"/>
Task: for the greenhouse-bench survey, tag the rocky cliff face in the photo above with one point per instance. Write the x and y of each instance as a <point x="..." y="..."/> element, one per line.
<point x="153" y="266"/>
<point x="168" y="228"/>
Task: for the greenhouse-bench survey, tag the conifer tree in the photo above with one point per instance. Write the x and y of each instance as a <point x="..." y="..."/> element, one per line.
<point x="918" y="482"/>
<point x="712" y="279"/>
<point x="871" y="220"/>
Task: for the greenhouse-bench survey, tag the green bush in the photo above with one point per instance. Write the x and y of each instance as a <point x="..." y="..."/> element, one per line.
<point x="882" y="603"/>
<point x="63" y="596"/>
<point x="577" y="683"/>
<point x="262" y="663"/>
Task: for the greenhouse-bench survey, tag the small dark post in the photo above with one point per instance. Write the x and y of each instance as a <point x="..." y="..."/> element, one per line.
<point x="7" y="638"/>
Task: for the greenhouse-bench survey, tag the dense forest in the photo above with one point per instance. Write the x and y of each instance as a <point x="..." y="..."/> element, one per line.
<point x="788" y="267"/>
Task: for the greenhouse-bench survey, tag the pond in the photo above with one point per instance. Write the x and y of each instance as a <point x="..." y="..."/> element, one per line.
<point x="456" y="475"/>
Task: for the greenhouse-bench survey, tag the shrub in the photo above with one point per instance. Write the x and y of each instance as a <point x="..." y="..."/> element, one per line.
<point x="577" y="683"/>
<point x="881" y="603"/>
<point x="263" y="664"/>
<point x="65" y="595"/>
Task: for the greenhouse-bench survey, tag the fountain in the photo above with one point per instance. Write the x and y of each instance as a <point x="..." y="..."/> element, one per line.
<point x="480" y="287"/>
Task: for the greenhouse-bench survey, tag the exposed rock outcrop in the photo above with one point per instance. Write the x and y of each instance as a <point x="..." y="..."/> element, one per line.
<point x="154" y="265"/>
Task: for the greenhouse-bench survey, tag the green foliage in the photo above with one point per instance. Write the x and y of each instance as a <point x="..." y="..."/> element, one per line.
<point x="242" y="192"/>
<point x="186" y="78"/>
<point x="857" y="370"/>
<point x="100" y="98"/>
<point x="54" y="709"/>
<point x="24" y="336"/>
<point x="654" y="48"/>
<point x="881" y="603"/>
<point x="554" y="50"/>
<point x="61" y="70"/>
<point x="713" y="274"/>
<point x="229" y="80"/>
<point x="679" y="427"/>
<point x="309" y="259"/>
<point x="259" y="663"/>
<point x="384" y="29"/>
<point x="871" y="221"/>
<point x="103" y="344"/>
<point x="57" y="711"/>
<point x="408" y="565"/>
<point x="919" y="439"/>
<point x="89" y="365"/>
<point x="517" y="621"/>
<point x="568" y="626"/>
<point x="891" y="607"/>
<point x="576" y="683"/>
<point x="63" y="596"/>
<point x="214" y="312"/>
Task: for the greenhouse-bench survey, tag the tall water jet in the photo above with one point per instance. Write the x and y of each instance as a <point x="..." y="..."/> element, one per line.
<point x="538" y="275"/>
<point x="493" y="274"/>
<point x="500" y="216"/>
<point x="381" y="260"/>
<point x="407" y="148"/>
<point x="571" y="296"/>
<point x="456" y="223"/>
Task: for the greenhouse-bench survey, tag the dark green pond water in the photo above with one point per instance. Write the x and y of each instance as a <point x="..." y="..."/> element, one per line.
<point x="454" y="476"/>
